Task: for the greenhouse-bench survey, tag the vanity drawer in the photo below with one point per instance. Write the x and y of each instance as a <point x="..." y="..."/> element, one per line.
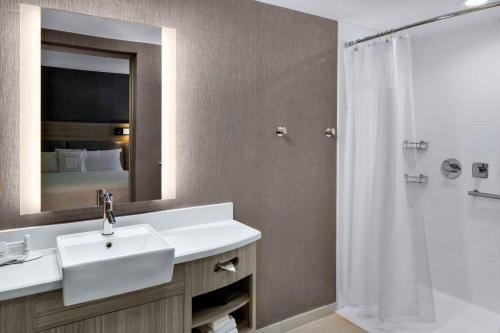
<point x="207" y="275"/>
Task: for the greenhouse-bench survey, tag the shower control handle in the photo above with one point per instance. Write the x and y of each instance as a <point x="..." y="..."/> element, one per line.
<point x="479" y="170"/>
<point x="453" y="167"/>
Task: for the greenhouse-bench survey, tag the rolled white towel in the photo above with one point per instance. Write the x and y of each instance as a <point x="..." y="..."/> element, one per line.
<point x="222" y="326"/>
<point x="220" y="321"/>
<point x="231" y="325"/>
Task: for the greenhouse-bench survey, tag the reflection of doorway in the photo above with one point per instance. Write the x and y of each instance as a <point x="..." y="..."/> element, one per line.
<point x="87" y="102"/>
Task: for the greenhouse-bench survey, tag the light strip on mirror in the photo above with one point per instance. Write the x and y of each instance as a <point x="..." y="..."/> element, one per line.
<point x="30" y="110"/>
<point x="168" y="114"/>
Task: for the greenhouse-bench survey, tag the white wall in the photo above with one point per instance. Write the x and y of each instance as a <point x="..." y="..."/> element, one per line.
<point x="457" y="97"/>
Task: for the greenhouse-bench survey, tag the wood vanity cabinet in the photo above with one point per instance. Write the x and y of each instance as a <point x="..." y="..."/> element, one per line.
<point x="191" y="298"/>
<point x="164" y="315"/>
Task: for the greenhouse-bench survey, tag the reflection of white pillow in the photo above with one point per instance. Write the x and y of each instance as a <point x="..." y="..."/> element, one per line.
<point x="49" y="162"/>
<point x="103" y="160"/>
<point x="71" y="160"/>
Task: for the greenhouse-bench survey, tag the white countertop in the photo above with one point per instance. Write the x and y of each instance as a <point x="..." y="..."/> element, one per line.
<point x="196" y="242"/>
<point x="31" y="277"/>
<point x="192" y="240"/>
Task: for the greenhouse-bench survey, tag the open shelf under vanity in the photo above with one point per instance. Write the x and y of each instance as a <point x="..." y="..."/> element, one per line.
<point x="234" y="299"/>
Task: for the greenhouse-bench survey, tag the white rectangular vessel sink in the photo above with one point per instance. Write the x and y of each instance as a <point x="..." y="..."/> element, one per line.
<point x="96" y="266"/>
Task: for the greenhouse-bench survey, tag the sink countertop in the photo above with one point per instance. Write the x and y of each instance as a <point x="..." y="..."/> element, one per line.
<point x="31" y="277"/>
<point x="206" y="240"/>
<point x="191" y="242"/>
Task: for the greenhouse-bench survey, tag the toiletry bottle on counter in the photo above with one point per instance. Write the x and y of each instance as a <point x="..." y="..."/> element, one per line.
<point x="3" y="249"/>
<point x="27" y="244"/>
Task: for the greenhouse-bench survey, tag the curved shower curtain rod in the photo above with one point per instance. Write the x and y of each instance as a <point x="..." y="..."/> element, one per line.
<point x="413" y="25"/>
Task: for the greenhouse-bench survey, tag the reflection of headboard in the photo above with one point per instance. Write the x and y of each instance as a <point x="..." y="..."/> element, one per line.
<point x="49" y="145"/>
<point x="90" y="136"/>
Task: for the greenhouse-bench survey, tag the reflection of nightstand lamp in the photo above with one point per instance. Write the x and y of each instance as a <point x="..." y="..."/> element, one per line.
<point x="122" y="131"/>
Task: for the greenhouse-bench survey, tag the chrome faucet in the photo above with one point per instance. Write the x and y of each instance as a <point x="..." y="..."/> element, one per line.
<point x="105" y="200"/>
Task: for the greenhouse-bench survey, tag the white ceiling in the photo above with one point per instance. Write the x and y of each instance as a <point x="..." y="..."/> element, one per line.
<point x="84" y="62"/>
<point x="374" y="14"/>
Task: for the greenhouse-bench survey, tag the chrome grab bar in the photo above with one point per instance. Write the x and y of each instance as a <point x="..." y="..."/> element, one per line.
<point x="476" y="193"/>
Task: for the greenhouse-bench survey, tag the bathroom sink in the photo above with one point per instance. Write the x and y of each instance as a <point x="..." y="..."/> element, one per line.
<point x="96" y="266"/>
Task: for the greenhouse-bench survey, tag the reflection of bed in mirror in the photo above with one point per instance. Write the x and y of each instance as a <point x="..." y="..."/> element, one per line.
<point x="68" y="190"/>
<point x="80" y="158"/>
<point x="85" y="107"/>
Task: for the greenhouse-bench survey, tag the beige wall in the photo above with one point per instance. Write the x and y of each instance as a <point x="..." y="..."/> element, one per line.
<point x="243" y="68"/>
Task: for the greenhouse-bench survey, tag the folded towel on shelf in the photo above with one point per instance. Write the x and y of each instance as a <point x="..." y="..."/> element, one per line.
<point x="219" y="322"/>
<point x="228" y="327"/>
<point x="226" y="324"/>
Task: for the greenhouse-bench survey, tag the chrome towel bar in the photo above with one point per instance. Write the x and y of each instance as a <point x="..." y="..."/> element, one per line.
<point x="476" y="193"/>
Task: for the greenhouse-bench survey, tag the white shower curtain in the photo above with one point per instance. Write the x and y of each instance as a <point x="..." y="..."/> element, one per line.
<point x="382" y="260"/>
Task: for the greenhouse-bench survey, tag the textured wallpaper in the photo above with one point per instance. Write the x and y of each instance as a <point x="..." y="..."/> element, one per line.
<point x="243" y="68"/>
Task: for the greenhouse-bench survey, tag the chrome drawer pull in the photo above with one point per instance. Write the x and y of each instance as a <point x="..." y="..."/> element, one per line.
<point x="229" y="266"/>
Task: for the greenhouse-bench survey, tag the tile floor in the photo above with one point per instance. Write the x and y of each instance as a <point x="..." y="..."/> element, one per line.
<point x="332" y="323"/>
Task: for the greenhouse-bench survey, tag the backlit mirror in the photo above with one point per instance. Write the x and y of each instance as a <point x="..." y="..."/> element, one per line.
<point x="104" y="116"/>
